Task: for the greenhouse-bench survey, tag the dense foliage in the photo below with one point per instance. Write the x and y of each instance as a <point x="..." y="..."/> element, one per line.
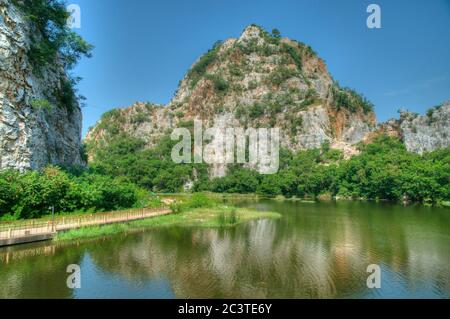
<point x="200" y="67"/>
<point x="53" y="37"/>
<point x="152" y="168"/>
<point x="198" y="200"/>
<point x="53" y="41"/>
<point x="121" y="171"/>
<point x="383" y="170"/>
<point x="31" y="194"/>
<point x="346" y="98"/>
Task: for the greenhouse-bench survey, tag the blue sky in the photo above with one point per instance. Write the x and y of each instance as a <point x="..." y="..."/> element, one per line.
<point x="143" y="48"/>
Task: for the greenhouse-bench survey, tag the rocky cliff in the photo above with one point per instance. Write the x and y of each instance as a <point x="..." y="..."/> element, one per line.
<point x="421" y="133"/>
<point x="36" y="127"/>
<point x="257" y="80"/>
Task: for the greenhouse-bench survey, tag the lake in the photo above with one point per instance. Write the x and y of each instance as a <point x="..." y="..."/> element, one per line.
<point x="316" y="250"/>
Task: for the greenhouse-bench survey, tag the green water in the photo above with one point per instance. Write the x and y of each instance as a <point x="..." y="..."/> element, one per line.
<point x="316" y="250"/>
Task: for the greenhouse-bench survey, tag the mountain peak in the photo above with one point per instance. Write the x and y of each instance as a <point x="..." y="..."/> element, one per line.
<point x="261" y="80"/>
<point x="251" y="32"/>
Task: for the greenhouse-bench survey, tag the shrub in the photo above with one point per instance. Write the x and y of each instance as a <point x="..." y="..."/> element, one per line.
<point x="252" y="85"/>
<point x="256" y="110"/>
<point x="309" y="50"/>
<point x="177" y="208"/>
<point x="54" y="42"/>
<point x="66" y="94"/>
<point x="49" y="17"/>
<point x="140" y="118"/>
<point x="430" y="113"/>
<point x="220" y="84"/>
<point x="235" y="70"/>
<point x="293" y="54"/>
<point x="348" y="99"/>
<point x="296" y="124"/>
<point x="199" y="69"/>
<point x="240" y="111"/>
<point x="280" y="75"/>
<point x="29" y="195"/>
<point x="199" y="200"/>
<point x="41" y="104"/>
<point x="276" y="33"/>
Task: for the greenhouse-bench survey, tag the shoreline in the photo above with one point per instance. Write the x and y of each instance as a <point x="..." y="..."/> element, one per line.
<point x="230" y="196"/>
<point x="318" y="199"/>
<point x="213" y="217"/>
<point x="212" y="205"/>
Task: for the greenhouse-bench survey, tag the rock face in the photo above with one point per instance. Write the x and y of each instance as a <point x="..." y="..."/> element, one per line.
<point x="35" y="129"/>
<point x="257" y="80"/>
<point x="424" y="133"/>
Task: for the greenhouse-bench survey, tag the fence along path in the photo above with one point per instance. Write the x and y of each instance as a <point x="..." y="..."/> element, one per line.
<point x="31" y="228"/>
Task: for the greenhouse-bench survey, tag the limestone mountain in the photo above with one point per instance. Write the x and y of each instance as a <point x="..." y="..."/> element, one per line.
<point x="40" y="119"/>
<point x="420" y="133"/>
<point x="257" y="80"/>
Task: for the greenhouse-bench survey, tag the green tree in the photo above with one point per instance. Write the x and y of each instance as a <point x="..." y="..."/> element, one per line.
<point x="276" y="33"/>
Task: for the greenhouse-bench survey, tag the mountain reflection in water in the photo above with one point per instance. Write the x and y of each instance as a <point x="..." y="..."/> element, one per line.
<point x="319" y="250"/>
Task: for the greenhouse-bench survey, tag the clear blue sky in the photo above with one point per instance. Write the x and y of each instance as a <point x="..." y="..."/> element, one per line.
<point x="144" y="47"/>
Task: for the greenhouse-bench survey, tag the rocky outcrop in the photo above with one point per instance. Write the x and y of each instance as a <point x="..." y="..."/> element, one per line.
<point x="257" y="80"/>
<point x="422" y="133"/>
<point x="146" y="121"/>
<point x="35" y="129"/>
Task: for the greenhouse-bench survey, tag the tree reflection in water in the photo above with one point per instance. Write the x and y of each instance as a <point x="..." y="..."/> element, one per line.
<point x="317" y="250"/>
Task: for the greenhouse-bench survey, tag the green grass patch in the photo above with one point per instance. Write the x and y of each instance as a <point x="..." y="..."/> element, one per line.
<point x="444" y="204"/>
<point x="218" y="216"/>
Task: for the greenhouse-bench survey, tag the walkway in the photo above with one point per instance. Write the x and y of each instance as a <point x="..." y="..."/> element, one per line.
<point x="38" y="230"/>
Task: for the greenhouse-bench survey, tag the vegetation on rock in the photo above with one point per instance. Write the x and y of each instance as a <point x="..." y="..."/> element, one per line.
<point x="199" y="68"/>
<point x="52" y="41"/>
<point x="384" y="170"/>
<point x="347" y="98"/>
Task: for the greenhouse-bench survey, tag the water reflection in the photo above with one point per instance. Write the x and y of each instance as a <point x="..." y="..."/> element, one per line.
<point x="314" y="251"/>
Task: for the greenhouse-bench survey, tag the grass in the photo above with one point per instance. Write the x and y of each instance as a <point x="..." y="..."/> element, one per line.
<point x="445" y="203"/>
<point x="214" y="196"/>
<point x="217" y="216"/>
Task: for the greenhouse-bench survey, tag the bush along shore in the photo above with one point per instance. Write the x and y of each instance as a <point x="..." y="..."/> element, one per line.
<point x="197" y="211"/>
<point x="31" y="194"/>
<point x="383" y="170"/>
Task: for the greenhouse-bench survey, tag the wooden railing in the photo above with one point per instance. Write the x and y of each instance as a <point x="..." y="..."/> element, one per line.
<point x="25" y="228"/>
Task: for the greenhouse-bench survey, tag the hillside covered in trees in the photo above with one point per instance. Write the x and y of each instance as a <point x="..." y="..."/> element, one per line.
<point x="330" y="144"/>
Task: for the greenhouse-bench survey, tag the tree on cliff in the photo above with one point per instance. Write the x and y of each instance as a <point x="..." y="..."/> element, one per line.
<point x="54" y="39"/>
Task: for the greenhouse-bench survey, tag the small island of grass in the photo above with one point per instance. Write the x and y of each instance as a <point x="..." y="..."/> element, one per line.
<point x="199" y="211"/>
